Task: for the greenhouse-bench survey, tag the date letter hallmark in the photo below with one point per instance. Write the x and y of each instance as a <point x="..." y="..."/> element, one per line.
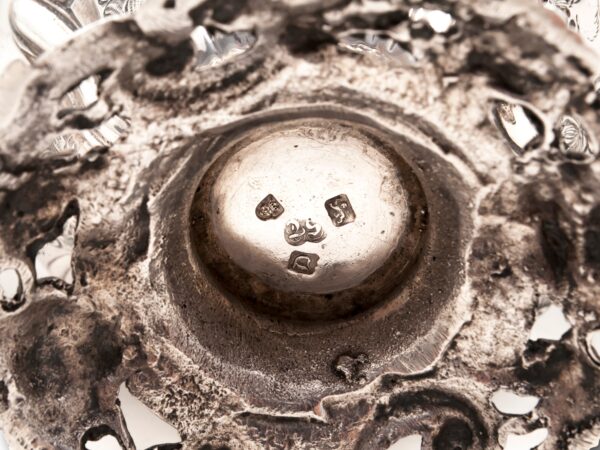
<point x="297" y="232"/>
<point x="340" y="210"/>
<point x="269" y="208"/>
<point x="303" y="263"/>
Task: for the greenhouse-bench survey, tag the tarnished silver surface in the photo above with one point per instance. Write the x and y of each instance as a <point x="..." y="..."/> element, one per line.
<point x="218" y="269"/>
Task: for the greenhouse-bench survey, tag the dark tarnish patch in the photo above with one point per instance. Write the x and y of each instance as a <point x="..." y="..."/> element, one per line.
<point x="82" y="122"/>
<point x="20" y="208"/>
<point x="573" y="173"/>
<point x="306" y="35"/>
<point x="403" y="402"/>
<point x="592" y="247"/>
<point x="455" y="434"/>
<point x="592" y="238"/>
<point x="389" y="20"/>
<point x="226" y="12"/>
<point x="470" y="428"/>
<point x="506" y="73"/>
<point x="377" y="21"/>
<point x="41" y="369"/>
<point x="102" y="348"/>
<point x="3" y="396"/>
<point x="548" y="367"/>
<point x="218" y="10"/>
<point x="556" y="247"/>
<point x="140" y="239"/>
<point x="236" y="78"/>
<point x="552" y="215"/>
<point x="47" y="365"/>
<point x="174" y="59"/>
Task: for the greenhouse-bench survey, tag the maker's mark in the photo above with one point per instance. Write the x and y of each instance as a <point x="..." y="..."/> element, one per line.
<point x="269" y="208"/>
<point x="303" y="263"/>
<point x="340" y="210"/>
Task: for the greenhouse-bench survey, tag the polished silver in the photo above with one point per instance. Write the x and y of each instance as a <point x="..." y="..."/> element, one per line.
<point x="42" y="25"/>
<point x="39" y="26"/>
<point x="215" y="47"/>
<point x="53" y="260"/>
<point x="518" y="125"/>
<point x="574" y="140"/>
<point x="11" y="290"/>
<point x="306" y="168"/>
<point x="379" y="44"/>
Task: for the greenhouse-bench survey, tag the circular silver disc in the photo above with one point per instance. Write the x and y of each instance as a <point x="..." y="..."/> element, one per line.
<point x="342" y="209"/>
<point x="315" y="218"/>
